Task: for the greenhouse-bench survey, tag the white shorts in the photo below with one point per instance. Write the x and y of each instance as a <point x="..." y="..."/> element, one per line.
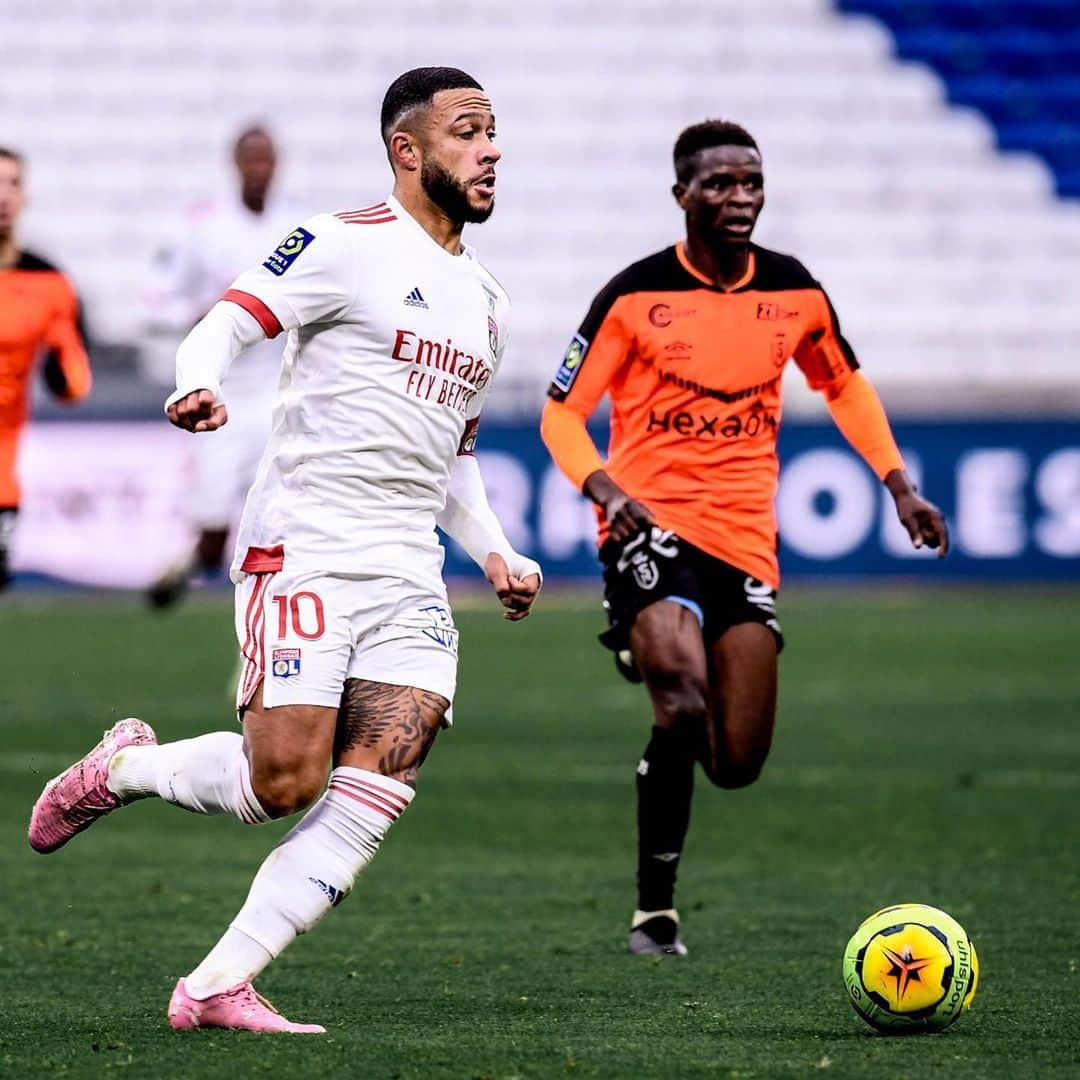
<point x="303" y="634"/>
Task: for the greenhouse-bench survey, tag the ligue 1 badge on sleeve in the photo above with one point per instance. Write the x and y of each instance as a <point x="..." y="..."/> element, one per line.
<point x="493" y="334"/>
<point x="286" y="253"/>
<point x="571" y="365"/>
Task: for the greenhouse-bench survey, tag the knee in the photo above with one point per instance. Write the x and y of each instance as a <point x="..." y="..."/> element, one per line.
<point x="284" y="790"/>
<point x="681" y="708"/>
<point x="736" y="766"/>
<point x="736" y="773"/>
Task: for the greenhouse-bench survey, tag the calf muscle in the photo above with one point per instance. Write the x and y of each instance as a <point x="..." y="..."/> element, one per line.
<point x="288" y="748"/>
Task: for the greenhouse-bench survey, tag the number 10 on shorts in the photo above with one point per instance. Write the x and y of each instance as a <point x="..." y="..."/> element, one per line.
<point x="304" y="610"/>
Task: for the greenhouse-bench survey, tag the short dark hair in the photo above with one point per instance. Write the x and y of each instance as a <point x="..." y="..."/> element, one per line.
<point x="11" y="155"/>
<point x="252" y="131"/>
<point x="417" y="88"/>
<point x="704" y="135"/>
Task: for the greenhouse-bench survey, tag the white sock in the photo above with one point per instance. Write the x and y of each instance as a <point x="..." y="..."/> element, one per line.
<point x="236" y="958"/>
<point x="207" y="775"/>
<point x="307" y="874"/>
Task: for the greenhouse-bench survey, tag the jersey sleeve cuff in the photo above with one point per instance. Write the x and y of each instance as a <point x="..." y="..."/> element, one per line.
<point x="182" y="392"/>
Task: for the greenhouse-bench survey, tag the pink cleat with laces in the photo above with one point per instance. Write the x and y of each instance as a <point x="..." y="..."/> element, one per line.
<point x="76" y="798"/>
<point x="238" y="1009"/>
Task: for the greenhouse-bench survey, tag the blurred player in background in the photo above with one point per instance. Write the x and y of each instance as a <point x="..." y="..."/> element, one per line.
<point x="690" y="344"/>
<point x="219" y="237"/>
<point x="395" y="333"/>
<point x="39" y="320"/>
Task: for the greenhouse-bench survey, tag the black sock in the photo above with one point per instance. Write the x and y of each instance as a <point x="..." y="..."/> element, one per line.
<point x="7" y="529"/>
<point x="665" y="784"/>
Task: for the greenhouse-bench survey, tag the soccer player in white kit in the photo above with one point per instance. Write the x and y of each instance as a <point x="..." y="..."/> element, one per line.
<point x="219" y="238"/>
<point x="395" y="331"/>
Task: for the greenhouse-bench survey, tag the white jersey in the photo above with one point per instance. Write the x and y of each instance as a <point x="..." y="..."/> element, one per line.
<point x="392" y="346"/>
<point x="218" y="238"/>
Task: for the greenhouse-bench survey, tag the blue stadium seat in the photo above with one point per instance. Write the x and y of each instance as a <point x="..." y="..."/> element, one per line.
<point x="1019" y="63"/>
<point x="1058" y="143"/>
<point x="1068" y="182"/>
<point x="1015" y="100"/>
<point x="975" y="15"/>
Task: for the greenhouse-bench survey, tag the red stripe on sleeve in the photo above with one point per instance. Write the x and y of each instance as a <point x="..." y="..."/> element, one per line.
<point x="271" y="327"/>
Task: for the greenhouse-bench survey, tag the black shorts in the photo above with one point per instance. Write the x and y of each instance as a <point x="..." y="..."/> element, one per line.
<point x="656" y="564"/>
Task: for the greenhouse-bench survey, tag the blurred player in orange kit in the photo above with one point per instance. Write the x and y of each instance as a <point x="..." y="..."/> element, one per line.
<point x="691" y="344"/>
<point x="221" y="236"/>
<point x="39" y="320"/>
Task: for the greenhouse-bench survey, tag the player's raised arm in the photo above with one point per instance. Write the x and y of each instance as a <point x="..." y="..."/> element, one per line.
<point x="469" y="519"/>
<point x="829" y="364"/>
<point x="309" y="277"/>
<point x="574" y="393"/>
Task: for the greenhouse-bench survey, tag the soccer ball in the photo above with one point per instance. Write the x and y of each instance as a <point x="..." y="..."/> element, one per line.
<point x="910" y="968"/>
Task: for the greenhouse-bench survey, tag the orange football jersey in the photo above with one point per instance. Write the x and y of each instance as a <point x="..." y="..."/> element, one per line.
<point x="694" y="375"/>
<point x="39" y="319"/>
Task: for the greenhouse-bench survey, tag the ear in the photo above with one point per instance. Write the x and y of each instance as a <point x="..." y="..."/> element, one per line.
<point x="404" y="151"/>
<point x="679" y="191"/>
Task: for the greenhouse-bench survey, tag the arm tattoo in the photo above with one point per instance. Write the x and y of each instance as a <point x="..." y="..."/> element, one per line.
<point x="397" y="723"/>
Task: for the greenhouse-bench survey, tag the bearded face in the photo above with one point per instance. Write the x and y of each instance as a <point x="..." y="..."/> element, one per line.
<point x="452" y="195"/>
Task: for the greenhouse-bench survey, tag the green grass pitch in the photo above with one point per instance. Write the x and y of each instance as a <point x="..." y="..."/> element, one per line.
<point x="928" y="749"/>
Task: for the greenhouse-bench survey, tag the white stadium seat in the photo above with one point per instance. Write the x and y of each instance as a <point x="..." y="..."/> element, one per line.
<point x="950" y="263"/>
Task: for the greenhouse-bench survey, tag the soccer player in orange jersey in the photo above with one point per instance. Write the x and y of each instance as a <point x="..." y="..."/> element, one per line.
<point x="39" y="320"/>
<point x="690" y="344"/>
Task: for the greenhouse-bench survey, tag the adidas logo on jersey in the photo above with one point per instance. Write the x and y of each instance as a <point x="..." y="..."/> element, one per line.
<point x="415" y="299"/>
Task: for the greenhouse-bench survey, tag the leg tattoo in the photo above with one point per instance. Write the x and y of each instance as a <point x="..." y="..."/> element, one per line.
<point x="394" y="725"/>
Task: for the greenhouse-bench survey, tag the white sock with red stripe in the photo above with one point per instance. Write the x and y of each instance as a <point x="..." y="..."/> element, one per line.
<point x="307" y="874"/>
<point x="207" y="775"/>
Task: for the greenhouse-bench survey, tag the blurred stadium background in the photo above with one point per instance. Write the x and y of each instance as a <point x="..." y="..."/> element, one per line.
<point x="922" y="158"/>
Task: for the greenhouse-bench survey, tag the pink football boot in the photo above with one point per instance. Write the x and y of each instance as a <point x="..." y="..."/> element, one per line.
<point x="239" y="1009"/>
<point x="76" y="798"/>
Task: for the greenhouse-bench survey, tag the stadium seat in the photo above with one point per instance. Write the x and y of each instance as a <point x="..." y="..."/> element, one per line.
<point x="882" y="123"/>
<point x="1018" y="63"/>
